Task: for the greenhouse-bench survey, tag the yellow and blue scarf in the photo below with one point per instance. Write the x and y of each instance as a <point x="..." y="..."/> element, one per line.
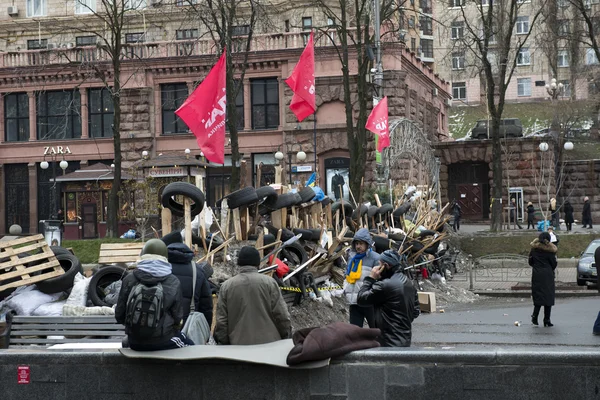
<point x="354" y="270"/>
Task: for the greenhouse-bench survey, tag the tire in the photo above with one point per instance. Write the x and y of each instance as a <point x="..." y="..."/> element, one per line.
<point x="338" y="205"/>
<point x="403" y="209"/>
<point x="580" y="282"/>
<point x="426" y="232"/>
<point x="59" y="250"/>
<point x="285" y="200"/>
<point x="298" y="199"/>
<point x="286" y="234"/>
<point x="267" y="196"/>
<point x="359" y="212"/>
<point x="385" y="209"/>
<point x="72" y="267"/>
<point x="242" y="197"/>
<point x="307" y="194"/>
<point x="382" y="244"/>
<point x="312" y="235"/>
<point x="398" y="237"/>
<point x="326" y="201"/>
<point x="101" y="279"/>
<point x="372" y="211"/>
<point x="416" y="246"/>
<point x="294" y="253"/>
<point x="184" y="189"/>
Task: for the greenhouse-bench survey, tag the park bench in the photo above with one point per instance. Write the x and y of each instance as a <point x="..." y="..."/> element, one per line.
<point x="120" y="253"/>
<point x="28" y="330"/>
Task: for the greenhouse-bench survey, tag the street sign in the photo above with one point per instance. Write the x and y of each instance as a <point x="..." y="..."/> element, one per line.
<point x="302" y="168"/>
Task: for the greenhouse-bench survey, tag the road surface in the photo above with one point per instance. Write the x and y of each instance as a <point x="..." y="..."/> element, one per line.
<point x="492" y="322"/>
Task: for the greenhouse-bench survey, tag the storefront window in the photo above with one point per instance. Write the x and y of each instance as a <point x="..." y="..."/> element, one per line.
<point x="71" y="207"/>
<point x="104" y="205"/>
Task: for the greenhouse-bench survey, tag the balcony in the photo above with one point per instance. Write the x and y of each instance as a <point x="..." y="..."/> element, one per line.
<point x="157" y="50"/>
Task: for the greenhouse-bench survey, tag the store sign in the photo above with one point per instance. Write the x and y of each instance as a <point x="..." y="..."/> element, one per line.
<point x="23" y="375"/>
<point x="302" y="168"/>
<point x="56" y="150"/>
<point x="166" y="172"/>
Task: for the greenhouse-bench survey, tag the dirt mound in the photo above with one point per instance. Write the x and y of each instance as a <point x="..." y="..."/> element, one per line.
<point x="446" y="294"/>
<point x="311" y="313"/>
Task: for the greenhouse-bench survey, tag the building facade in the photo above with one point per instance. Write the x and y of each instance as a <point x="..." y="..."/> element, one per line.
<point x="55" y="105"/>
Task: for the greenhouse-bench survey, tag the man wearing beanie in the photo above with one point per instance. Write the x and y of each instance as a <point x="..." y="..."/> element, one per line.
<point x="251" y="309"/>
<point x="394" y="299"/>
<point x="149" y="303"/>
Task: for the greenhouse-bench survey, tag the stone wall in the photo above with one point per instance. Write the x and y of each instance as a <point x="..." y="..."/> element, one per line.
<point x="137" y="110"/>
<point x="581" y="179"/>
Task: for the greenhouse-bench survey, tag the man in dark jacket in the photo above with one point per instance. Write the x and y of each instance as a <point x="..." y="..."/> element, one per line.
<point x="153" y="270"/>
<point x="456" y="213"/>
<point x="394" y="298"/>
<point x="586" y="215"/>
<point x="251" y="309"/>
<point x="180" y="258"/>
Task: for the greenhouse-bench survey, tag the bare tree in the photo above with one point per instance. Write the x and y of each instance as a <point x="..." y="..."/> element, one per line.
<point x="488" y="37"/>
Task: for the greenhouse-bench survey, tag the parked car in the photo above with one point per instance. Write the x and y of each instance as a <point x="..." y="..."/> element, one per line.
<point x="509" y="127"/>
<point x="586" y="268"/>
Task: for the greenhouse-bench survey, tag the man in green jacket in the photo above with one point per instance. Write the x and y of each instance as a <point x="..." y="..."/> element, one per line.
<point x="251" y="309"/>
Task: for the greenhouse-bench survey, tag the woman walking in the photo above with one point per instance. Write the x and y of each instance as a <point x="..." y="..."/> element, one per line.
<point x="568" y="209"/>
<point x="530" y="215"/>
<point x="542" y="258"/>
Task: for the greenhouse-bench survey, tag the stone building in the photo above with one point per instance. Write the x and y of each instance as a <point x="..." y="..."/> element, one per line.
<point x="54" y="105"/>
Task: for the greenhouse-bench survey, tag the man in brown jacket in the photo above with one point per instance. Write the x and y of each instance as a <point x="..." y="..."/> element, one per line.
<point x="251" y="309"/>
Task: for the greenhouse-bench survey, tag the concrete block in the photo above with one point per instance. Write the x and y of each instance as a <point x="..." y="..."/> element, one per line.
<point x="337" y="379"/>
<point x="366" y="381"/>
<point x="319" y="381"/>
<point x="405" y="375"/>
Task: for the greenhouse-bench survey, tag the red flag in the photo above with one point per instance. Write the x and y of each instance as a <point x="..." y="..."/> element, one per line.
<point x="302" y="83"/>
<point x="204" y="112"/>
<point x="378" y="124"/>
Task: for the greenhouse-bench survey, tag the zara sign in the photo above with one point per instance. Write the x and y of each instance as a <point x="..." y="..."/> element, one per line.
<point x="56" y="150"/>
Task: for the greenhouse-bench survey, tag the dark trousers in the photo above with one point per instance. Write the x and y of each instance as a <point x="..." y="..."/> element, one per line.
<point x="176" y="342"/>
<point x="547" y="311"/>
<point x="530" y="221"/>
<point x="597" y="324"/>
<point x="587" y="221"/>
<point x="358" y="315"/>
<point x="569" y="225"/>
<point x="456" y="224"/>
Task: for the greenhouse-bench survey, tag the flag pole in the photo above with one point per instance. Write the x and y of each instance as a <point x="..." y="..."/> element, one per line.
<point x="315" y="139"/>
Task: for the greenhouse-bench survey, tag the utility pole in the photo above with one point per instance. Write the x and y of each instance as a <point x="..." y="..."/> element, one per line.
<point x="378" y="70"/>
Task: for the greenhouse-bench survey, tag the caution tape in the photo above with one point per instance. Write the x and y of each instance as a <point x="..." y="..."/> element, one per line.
<point x="296" y="289"/>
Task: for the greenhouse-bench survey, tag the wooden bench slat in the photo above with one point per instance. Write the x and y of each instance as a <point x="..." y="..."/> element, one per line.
<point x="59" y="332"/>
<point x="125" y="252"/>
<point x="115" y="326"/>
<point x="120" y="246"/>
<point x="66" y="320"/>
<point x="117" y="259"/>
<point x="18" y="341"/>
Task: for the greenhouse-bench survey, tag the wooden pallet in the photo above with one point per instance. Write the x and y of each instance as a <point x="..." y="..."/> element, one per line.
<point x="120" y="253"/>
<point x="14" y="267"/>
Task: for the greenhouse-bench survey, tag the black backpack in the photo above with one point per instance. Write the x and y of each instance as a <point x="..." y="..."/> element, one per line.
<point x="144" y="310"/>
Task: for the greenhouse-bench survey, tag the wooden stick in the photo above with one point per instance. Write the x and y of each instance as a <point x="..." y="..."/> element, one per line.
<point x="259" y="243"/>
<point x="188" y="221"/>
<point x="287" y="277"/>
<point x="266" y="246"/>
<point x="212" y="252"/>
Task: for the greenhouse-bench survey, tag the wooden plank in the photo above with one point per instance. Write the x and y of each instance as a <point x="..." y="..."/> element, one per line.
<point x="122" y="252"/>
<point x="25" y="260"/>
<point x="244" y="221"/>
<point x="67" y="332"/>
<point x="117" y="259"/>
<point x="276" y="219"/>
<point x="24" y="249"/>
<point x="31" y="280"/>
<point x="165" y="221"/>
<point x="259" y="243"/>
<point x="23" y="240"/>
<point x="27" y="271"/>
<point x="18" y="341"/>
<point x="187" y="216"/>
<point x="237" y="224"/>
<point x="56" y="326"/>
<point x="118" y="246"/>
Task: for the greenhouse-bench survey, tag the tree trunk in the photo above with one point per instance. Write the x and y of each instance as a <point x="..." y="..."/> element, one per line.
<point x="112" y="229"/>
<point x="232" y="123"/>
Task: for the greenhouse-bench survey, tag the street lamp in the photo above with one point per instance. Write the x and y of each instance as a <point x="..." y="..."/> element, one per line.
<point x="543" y="146"/>
<point x="45" y="165"/>
<point x="554" y="89"/>
<point x="568" y="146"/>
<point x="300" y="156"/>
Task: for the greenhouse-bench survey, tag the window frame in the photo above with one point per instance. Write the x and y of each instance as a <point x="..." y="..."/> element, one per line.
<point x="562" y="55"/>
<point x="456" y="3"/>
<point x="429" y="47"/>
<point x="73" y="117"/>
<point x="306" y="27"/>
<point x="41" y="44"/>
<point x="186" y="34"/>
<point x="526" y="88"/>
<point x="91" y="113"/>
<point x="524" y="57"/>
<point x="458" y="61"/>
<point x="566" y="92"/>
<point x="83" y="9"/>
<point x="239" y="106"/>
<point x="457" y="30"/>
<point x="589" y="54"/>
<point x="79" y="39"/>
<point x="521" y="23"/>
<point x="458" y="90"/>
<point x="29" y="7"/>
<point x="180" y="127"/>
<point x="19" y="118"/>
<point x="266" y="104"/>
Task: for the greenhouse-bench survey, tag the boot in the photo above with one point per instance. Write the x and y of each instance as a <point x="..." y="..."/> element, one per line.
<point x="547" y="311"/>
<point x="534" y="316"/>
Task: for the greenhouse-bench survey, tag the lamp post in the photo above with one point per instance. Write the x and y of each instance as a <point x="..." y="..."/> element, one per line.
<point x="45" y="165"/>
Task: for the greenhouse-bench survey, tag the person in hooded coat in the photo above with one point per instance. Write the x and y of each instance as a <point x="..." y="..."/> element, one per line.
<point x="542" y="258"/>
<point x="586" y="215"/>
<point x="180" y="257"/>
<point x="153" y="268"/>
<point x="568" y="210"/>
<point x="394" y="298"/>
<point x="361" y="259"/>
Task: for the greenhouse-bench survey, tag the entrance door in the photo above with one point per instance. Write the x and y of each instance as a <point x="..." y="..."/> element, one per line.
<point x="89" y="221"/>
<point x="469" y="198"/>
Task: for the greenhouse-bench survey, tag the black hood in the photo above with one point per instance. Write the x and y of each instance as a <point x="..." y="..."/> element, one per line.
<point x="179" y="253"/>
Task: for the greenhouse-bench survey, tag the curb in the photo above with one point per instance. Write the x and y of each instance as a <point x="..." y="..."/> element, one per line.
<point x="527" y="293"/>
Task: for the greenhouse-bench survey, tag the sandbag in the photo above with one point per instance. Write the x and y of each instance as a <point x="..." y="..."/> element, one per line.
<point x="26" y="302"/>
<point x="54" y="309"/>
<point x="78" y="311"/>
<point x="79" y="293"/>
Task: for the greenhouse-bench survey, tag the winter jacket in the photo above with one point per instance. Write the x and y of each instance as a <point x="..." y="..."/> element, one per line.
<point x="568" y="210"/>
<point x="542" y="258"/>
<point x="587" y="211"/>
<point x="251" y="310"/>
<point x="180" y="257"/>
<point x="530" y="213"/>
<point x="456" y="210"/>
<point x="171" y="322"/>
<point x="370" y="260"/>
<point x="396" y="305"/>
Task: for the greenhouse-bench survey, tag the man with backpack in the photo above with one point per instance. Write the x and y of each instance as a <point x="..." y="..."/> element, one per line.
<point x="149" y="302"/>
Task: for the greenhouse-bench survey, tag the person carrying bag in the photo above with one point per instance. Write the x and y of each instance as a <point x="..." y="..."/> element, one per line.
<point x="196" y="327"/>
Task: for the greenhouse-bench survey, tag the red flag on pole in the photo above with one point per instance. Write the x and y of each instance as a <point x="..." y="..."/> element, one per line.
<point x="378" y="124"/>
<point x="302" y="83"/>
<point x="204" y="112"/>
